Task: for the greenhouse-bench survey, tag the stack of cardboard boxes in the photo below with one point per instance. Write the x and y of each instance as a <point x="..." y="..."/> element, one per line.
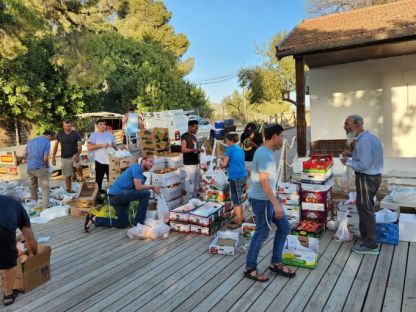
<point x="289" y="197"/>
<point x="84" y="200"/>
<point x="154" y="141"/>
<point x="118" y="165"/>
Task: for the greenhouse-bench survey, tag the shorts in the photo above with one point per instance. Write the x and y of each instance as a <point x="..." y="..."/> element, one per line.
<point x="237" y="190"/>
<point x="68" y="165"/>
<point x="8" y="250"/>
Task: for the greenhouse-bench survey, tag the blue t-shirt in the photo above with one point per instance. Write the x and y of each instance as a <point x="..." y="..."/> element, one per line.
<point x="12" y="214"/>
<point x="125" y="182"/>
<point x="236" y="165"/>
<point x="36" y="149"/>
<point x="264" y="161"/>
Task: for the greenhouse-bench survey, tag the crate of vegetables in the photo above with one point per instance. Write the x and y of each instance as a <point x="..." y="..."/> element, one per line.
<point x="318" y="164"/>
<point x="309" y="228"/>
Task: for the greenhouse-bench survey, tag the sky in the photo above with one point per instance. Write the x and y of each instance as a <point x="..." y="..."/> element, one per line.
<point x="224" y="34"/>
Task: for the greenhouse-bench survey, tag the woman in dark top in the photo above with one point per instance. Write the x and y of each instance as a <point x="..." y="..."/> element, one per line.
<point x="250" y="141"/>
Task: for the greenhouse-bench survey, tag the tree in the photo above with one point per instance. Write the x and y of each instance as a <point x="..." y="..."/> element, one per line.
<point x="234" y="104"/>
<point x="273" y="80"/>
<point x="323" y="7"/>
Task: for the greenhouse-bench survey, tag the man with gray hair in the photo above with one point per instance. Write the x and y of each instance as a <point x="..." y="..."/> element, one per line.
<point x="367" y="163"/>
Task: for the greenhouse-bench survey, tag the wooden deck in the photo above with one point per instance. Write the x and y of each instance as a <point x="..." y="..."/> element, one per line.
<point x="105" y="271"/>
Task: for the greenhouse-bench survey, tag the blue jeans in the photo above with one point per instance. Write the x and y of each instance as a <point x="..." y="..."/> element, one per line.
<point x="121" y="203"/>
<point x="237" y="190"/>
<point x="260" y="207"/>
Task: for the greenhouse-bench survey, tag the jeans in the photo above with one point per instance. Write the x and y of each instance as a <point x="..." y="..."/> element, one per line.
<point x="39" y="177"/>
<point x="121" y="203"/>
<point x="100" y="170"/>
<point x="237" y="190"/>
<point x="367" y="187"/>
<point x="264" y="209"/>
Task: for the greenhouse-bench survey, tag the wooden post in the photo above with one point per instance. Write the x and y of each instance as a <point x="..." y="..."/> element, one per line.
<point x="300" y="106"/>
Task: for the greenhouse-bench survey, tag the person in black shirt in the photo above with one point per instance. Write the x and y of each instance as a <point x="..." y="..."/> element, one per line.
<point x="250" y="142"/>
<point x="12" y="216"/>
<point x="190" y="151"/>
<point x="71" y="147"/>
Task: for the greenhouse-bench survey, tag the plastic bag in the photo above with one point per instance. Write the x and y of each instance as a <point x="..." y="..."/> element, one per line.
<point x="220" y="178"/>
<point x="162" y="209"/>
<point x="346" y="178"/>
<point x="343" y="234"/>
<point x="139" y="231"/>
<point x="203" y="160"/>
<point x="159" y="230"/>
<point x="54" y="212"/>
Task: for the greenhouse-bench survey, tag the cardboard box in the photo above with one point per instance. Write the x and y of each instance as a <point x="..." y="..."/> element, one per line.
<point x="86" y="195"/>
<point x="180" y="227"/>
<point x="175" y="203"/>
<point x="407" y="224"/>
<point x="174" y="160"/>
<point x="165" y="179"/>
<point x="216" y="196"/>
<point x="121" y="163"/>
<point x="292" y="213"/>
<point x="288" y="188"/>
<point x="318" y="164"/>
<point x="34" y="272"/>
<point x="301" y="231"/>
<point x="206" y="214"/>
<point x="171" y="192"/>
<point x="204" y="230"/>
<point x="79" y="212"/>
<point x="316" y="178"/>
<point x="181" y="213"/>
<point x="301" y="251"/>
<point x="304" y="180"/>
<point x="289" y="199"/>
<point x="224" y="243"/>
<point x="159" y="163"/>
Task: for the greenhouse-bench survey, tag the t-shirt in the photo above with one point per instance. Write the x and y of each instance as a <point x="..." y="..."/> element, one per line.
<point x="36" y="149"/>
<point x="69" y="143"/>
<point x="12" y="214"/>
<point x="132" y="123"/>
<point x="264" y="161"/>
<point x="248" y="148"/>
<point x="125" y="182"/>
<point x="101" y="154"/>
<point x="191" y="142"/>
<point x="236" y="166"/>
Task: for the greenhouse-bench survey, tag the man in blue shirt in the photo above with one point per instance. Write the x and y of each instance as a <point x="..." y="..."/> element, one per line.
<point x="266" y="207"/>
<point x="128" y="187"/>
<point x="37" y="158"/>
<point x="367" y="163"/>
<point x="237" y="175"/>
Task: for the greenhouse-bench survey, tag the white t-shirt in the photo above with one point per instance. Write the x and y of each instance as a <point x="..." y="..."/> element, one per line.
<point x="101" y="154"/>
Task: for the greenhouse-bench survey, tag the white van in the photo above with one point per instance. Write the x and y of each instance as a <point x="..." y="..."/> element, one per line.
<point x="177" y="123"/>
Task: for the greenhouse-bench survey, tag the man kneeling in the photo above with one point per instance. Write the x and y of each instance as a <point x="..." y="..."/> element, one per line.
<point x="128" y="187"/>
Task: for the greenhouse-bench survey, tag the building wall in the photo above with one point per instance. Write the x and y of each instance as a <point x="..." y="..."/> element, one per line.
<point x="383" y="91"/>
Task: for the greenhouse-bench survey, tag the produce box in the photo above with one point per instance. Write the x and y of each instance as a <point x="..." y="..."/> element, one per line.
<point x="159" y="163"/>
<point x="288" y="188"/>
<point x="225" y="243"/>
<point x="317" y="187"/>
<point x="292" y="213"/>
<point x="172" y="191"/>
<point x="180" y="227"/>
<point x="174" y="203"/>
<point x="181" y="213"/>
<point x="124" y="162"/>
<point x="309" y="228"/>
<point x="321" y="216"/>
<point x="174" y="160"/>
<point x="204" y="230"/>
<point x="344" y="207"/>
<point x="318" y="164"/>
<point x="407" y="224"/>
<point x="248" y="229"/>
<point x="308" y="178"/>
<point x="315" y="204"/>
<point x="86" y="195"/>
<point x="206" y="214"/>
<point x="289" y="199"/>
<point x="166" y="177"/>
<point x="301" y="251"/>
<point x="216" y="196"/>
<point x="35" y="271"/>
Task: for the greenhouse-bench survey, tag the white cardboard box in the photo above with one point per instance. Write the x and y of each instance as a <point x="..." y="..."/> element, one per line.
<point x="205" y="215"/>
<point x="159" y="163"/>
<point x="407" y="225"/>
<point x="174" y="160"/>
<point x="301" y="251"/>
<point x="165" y="179"/>
<point x="180" y="227"/>
<point x="172" y="192"/>
<point x="215" y="248"/>
<point x="174" y="203"/>
<point x="288" y="188"/>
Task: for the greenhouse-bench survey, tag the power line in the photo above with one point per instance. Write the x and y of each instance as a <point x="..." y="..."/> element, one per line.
<point x="217" y="81"/>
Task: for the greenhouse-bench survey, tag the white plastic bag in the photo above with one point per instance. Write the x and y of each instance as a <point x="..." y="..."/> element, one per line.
<point x="162" y="209"/>
<point x="343" y="234"/>
<point x="139" y="231"/>
<point x="220" y="179"/>
<point x="203" y="160"/>
<point x="159" y="230"/>
<point x="346" y="178"/>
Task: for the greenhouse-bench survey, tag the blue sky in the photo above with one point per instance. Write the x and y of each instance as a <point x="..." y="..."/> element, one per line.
<point x="224" y="35"/>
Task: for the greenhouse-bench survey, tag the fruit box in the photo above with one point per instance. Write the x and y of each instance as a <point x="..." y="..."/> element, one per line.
<point x="318" y="164"/>
<point x="225" y="243"/>
<point x="165" y="179"/>
<point x="216" y="196"/>
<point x="301" y="251"/>
<point x="175" y="203"/>
<point x="206" y="214"/>
<point x="289" y="199"/>
<point x="292" y="213"/>
<point x="288" y="188"/>
<point x="303" y="229"/>
<point x="121" y="163"/>
<point x="315" y="178"/>
<point x="320" y="216"/>
<point x="172" y="191"/>
<point x="180" y="227"/>
<point x="86" y="195"/>
<point x="174" y="160"/>
<point x="204" y="230"/>
<point x="181" y="213"/>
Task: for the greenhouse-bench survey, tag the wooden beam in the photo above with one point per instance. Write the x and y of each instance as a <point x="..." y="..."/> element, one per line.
<point x="300" y="106"/>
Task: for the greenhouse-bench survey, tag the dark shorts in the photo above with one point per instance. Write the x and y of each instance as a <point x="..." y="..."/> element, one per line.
<point x="8" y="251"/>
<point x="237" y="190"/>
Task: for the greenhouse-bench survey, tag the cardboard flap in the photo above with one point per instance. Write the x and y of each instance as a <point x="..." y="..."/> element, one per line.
<point x="43" y="256"/>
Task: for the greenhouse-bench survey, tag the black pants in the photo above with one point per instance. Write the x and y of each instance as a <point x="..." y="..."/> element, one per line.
<point x="367" y="187"/>
<point x="8" y="251"/>
<point x="100" y="170"/>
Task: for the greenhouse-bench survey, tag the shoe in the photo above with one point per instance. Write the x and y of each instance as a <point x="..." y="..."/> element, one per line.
<point x="365" y="250"/>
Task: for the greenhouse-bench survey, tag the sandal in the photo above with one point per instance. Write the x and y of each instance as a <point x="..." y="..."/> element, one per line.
<point x="8" y="300"/>
<point x="89" y="221"/>
<point x="281" y="269"/>
<point x="258" y="277"/>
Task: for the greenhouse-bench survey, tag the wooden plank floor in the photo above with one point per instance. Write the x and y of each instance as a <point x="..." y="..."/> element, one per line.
<point x="105" y="271"/>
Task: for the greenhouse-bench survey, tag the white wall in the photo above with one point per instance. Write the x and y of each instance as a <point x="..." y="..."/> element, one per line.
<point x="383" y="91"/>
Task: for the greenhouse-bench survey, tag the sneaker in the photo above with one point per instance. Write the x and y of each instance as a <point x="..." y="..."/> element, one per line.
<point x="365" y="250"/>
